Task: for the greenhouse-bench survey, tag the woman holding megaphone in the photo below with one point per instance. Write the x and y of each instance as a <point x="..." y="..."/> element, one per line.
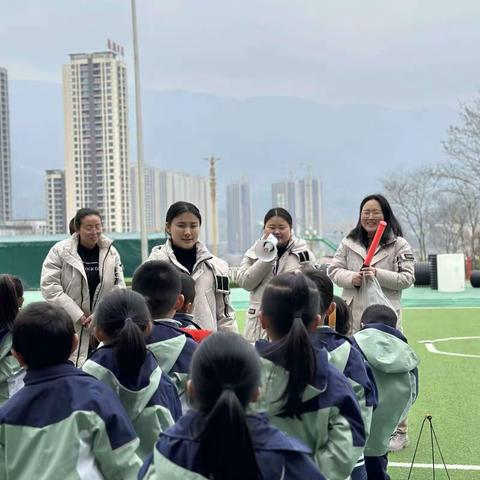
<point x="276" y="252"/>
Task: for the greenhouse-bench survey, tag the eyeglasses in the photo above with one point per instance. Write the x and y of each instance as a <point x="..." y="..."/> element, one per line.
<point x="372" y="213"/>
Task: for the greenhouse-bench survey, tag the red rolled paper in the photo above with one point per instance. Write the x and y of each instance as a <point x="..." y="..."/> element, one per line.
<point x="376" y="240"/>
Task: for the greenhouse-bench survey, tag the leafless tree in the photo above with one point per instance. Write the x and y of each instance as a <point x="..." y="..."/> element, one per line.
<point x="413" y="197"/>
<point x="461" y="173"/>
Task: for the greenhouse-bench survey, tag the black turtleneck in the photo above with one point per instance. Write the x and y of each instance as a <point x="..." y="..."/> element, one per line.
<point x="281" y="250"/>
<point x="186" y="257"/>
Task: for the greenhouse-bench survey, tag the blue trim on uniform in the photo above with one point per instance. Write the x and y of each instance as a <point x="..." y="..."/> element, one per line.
<point x="105" y="356"/>
<point x="167" y="396"/>
<point x="166" y="393"/>
<point x="335" y="390"/>
<point x="387" y="329"/>
<point x="273" y="449"/>
<point x="186" y="319"/>
<point x="356" y="368"/>
<point x="164" y="331"/>
<point x="54" y="393"/>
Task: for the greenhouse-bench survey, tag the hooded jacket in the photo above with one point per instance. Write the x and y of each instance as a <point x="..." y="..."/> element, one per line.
<point x="394" y="365"/>
<point x="394" y="263"/>
<point x="173" y="350"/>
<point x="64" y="282"/>
<point x="278" y="456"/>
<point x="254" y="274"/>
<point x="150" y="400"/>
<point x="212" y="308"/>
<point x="330" y="421"/>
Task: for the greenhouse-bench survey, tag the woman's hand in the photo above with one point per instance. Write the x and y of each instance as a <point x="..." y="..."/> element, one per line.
<point x="85" y="321"/>
<point x="368" y="272"/>
<point x="357" y="279"/>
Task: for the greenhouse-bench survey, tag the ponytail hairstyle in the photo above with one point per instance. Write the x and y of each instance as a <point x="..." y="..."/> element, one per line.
<point x="123" y="317"/>
<point x="8" y="301"/>
<point x="225" y="374"/>
<point x="291" y="303"/>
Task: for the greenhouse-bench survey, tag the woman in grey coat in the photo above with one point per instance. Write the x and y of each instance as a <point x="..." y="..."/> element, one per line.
<point x="392" y="265"/>
<point x="79" y="271"/>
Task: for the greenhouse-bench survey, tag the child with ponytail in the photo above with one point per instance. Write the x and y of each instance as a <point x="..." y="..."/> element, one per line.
<point x="123" y="362"/>
<point x="11" y="373"/>
<point x="218" y="440"/>
<point x="304" y="395"/>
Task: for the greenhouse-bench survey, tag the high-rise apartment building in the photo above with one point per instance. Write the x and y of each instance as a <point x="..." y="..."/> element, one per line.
<point x="96" y="137"/>
<point x="284" y="195"/>
<point x="5" y="165"/>
<point x="303" y="199"/>
<point x="162" y="188"/>
<point x="239" y="217"/>
<point x="55" y="202"/>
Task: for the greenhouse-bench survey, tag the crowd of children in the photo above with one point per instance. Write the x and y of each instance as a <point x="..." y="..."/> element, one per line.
<point x="160" y="398"/>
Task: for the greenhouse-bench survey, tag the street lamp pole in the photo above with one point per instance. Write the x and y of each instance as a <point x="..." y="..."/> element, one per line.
<point x="140" y="166"/>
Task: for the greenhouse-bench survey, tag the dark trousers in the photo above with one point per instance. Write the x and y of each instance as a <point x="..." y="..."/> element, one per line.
<point x="377" y="468"/>
<point x="359" y="473"/>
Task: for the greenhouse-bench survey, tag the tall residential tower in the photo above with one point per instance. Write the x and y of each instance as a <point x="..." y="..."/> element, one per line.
<point x="55" y="201"/>
<point x="96" y="137"/>
<point x="5" y="165"/>
<point x="239" y="217"/>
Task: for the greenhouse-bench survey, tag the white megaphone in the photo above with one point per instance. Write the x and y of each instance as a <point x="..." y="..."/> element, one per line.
<point x="266" y="248"/>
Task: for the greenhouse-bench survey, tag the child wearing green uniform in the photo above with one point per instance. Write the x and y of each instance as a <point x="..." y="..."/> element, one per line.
<point x="304" y="395"/>
<point x="394" y="365"/>
<point x="63" y="423"/>
<point x="123" y="362"/>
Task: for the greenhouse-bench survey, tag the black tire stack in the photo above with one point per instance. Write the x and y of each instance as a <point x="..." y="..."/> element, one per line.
<point x="475" y="279"/>
<point x="422" y="274"/>
<point x="432" y="259"/>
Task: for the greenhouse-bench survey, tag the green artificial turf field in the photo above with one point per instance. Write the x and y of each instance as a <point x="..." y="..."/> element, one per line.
<point x="449" y="391"/>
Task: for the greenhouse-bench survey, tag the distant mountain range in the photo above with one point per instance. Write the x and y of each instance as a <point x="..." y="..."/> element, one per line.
<point x="262" y="139"/>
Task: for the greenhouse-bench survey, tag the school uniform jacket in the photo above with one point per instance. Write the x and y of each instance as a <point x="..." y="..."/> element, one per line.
<point x="254" y="274"/>
<point x="173" y="349"/>
<point x="151" y="400"/>
<point x="11" y="373"/>
<point x="66" y="424"/>
<point x="330" y="422"/>
<point x="394" y="365"/>
<point x="395" y="266"/>
<point x="278" y="456"/>
<point x="212" y="308"/>
<point x="349" y="361"/>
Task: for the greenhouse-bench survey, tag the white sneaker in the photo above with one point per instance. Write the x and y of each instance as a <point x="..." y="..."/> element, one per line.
<point x="398" y="441"/>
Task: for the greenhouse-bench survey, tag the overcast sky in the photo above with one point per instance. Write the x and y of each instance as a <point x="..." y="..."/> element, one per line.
<point x="407" y="53"/>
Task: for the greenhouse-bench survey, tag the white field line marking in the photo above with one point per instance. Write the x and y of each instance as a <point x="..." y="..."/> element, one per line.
<point x="429" y="345"/>
<point x="441" y="308"/>
<point x="438" y="466"/>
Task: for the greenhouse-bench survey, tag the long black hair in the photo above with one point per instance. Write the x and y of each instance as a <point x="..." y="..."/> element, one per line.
<point x="359" y="234"/>
<point x="123" y="316"/>
<point x="291" y="303"/>
<point x="343" y="319"/>
<point x="8" y="301"/>
<point x="225" y="374"/>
